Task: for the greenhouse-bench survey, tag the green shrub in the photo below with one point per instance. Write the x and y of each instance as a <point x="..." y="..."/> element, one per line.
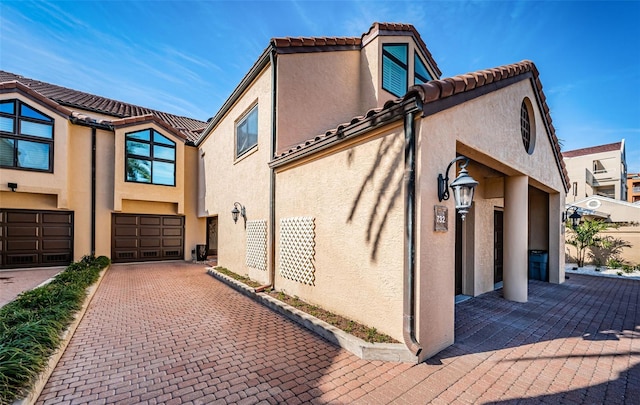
<point x="32" y="324"/>
<point x="614" y="263"/>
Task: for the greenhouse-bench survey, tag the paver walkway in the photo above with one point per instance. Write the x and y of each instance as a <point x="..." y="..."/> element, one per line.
<point x="168" y="333"/>
<point x="14" y="282"/>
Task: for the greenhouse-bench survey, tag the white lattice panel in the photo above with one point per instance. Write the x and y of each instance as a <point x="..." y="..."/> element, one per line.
<point x="297" y="249"/>
<point x="257" y="244"/>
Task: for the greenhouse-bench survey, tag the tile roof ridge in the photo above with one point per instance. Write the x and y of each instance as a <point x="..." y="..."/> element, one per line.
<point x="306" y="41"/>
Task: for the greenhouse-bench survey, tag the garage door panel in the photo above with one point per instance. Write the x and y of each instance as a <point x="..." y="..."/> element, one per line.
<point x="52" y="244"/>
<point x="153" y="237"/>
<point x="21" y="245"/>
<point x="127" y="244"/>
<point x="150" y="221"/>
<point x="148" y="231"/>
<point x="61" y="231"/>
<point x="23" y="231"/>
<point x="55" y="218"/>
<point x="126" y="231"/>
<point x="172" y="232"/>
<point x="22" y="217"/>
<point x="21" y="260"/>
<point x="150" y="242"/>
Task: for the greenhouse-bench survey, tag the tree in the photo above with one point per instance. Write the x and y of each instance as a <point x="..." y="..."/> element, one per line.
<point x="586" y="235"/>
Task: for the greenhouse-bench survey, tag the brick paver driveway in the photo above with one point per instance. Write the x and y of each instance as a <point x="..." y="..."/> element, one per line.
<point x="168" y="333"/>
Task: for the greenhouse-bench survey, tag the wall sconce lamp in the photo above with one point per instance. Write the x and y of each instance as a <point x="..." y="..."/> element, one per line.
<point x="463" y="187"/>
<point x="235" y="212"/>
<point x="575" y="217"/>
<point x="12" y="186"/>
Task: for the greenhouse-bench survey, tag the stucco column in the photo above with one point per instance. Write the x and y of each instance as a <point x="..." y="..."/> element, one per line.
<point x="516" y="214"/>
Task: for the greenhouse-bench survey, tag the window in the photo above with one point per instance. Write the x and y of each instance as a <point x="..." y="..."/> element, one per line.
<point x="527" y="126"/>
<point x="150" y="158"/>
<point x="247" y="132"/>
<point x="26" y="137"/>
<point x="421" y="73"/>
<point x="394" y="69"/>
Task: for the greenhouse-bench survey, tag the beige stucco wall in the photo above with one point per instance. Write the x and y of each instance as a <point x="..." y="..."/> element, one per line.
<point x="244" y="180"/>
<point x="195" y="226"/>
<point x="316" y="92"/>
<point x="355" y="195"/>
<point x="39" y="182"/>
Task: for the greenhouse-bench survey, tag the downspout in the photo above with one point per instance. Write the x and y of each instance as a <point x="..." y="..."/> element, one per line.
<point x="272" y="180"/>
<point x="93" y="191"/>
<point x="409" y="323"/>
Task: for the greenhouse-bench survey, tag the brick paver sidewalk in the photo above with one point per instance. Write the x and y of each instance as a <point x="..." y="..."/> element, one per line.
<point x="168" y="333"/>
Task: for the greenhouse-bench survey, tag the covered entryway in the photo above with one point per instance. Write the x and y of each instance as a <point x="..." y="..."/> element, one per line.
<point x="138" y="238"/>
<point x="34" y="238"/>
<point x="212" y="236"/>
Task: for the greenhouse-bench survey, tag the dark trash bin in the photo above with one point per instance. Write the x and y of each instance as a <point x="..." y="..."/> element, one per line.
<point x="201" y="253"/>
<point x="538" y="260"/>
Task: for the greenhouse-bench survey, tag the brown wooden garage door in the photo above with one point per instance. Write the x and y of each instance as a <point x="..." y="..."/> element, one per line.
<point x="30" y="238"/>
<point x="139" y="238"/>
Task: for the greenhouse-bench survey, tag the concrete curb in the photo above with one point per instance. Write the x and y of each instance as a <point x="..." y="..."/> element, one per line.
<point x="42" y="379"/>
<point x="396" y="352"/>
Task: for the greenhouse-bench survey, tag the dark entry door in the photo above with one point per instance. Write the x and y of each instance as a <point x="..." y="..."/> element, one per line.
<point x="497" y="245"/>
<point x="30" y="238"/>
<point x="212" y="236"/>
<point x="138" y="238"/>
<point x="458" y="254"/>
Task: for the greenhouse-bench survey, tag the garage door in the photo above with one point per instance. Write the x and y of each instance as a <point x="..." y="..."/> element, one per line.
<point x="139" y="238"/>
<point x="30" y="238"/>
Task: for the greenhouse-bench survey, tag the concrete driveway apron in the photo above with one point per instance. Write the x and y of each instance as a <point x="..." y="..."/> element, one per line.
<point x="167" y="333"/>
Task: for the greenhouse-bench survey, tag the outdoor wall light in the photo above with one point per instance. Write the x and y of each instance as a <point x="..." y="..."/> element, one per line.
<point x="575" y="217"/>
<point x="235" y="212"/>
<point x="463" y="187"/>
<point x="12" y="186"/>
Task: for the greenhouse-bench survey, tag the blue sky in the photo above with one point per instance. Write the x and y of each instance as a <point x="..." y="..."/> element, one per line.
<point x="185" y="57"/>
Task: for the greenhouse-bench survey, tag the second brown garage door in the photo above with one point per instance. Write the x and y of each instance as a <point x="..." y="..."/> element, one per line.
<point x="139" y="238"/>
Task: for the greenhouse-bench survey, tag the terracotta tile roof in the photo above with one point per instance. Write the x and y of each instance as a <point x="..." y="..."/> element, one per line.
<point x="436" y="90"/>
<point x="187" y="128"/>
<point x="312" y="44"/>
<point x="400" y="27"/>
<point x="593" y="149"/>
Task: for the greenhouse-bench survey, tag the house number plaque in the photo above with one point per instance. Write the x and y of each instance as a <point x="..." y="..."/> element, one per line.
<point x="440" y="219"/>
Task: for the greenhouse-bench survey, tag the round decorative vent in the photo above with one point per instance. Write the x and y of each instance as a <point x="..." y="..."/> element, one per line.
<point x="527" y="126"/>
<point x="593" y="204"/>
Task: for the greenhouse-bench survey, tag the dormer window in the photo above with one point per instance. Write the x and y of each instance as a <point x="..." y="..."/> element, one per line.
<point x="26" y="137"/>
<point x="150" y="158"/>
<point x="394" y="69"/>
<point x="420" y="71"/>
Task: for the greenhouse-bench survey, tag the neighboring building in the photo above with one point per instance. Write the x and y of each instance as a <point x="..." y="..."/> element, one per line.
<point x="597" y="170"/>
<point x="339" y="217"/>
<point x="633" y="187"/>
<point x="83" y="174"/>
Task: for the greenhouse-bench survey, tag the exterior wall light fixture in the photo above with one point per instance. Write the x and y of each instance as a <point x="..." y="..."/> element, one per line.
<point x="12" y="186"/>
<point x="463" y="187"/>
<point x="235" y="212"/>
<point x="575" y="217"/>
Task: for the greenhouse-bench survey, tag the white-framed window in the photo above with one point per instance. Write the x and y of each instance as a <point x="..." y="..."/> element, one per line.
<point x="247" y="132"/>
<point x="26" y="137"/>
<point x="394" y="68"/>
<point x="150" y="158"/>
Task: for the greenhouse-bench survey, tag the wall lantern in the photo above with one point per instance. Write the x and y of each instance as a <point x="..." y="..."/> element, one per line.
<point x="235" y="211"/>
<point x="575" y="217"/>
<point x="12" y="186"/>
<point x="463" y="187"/>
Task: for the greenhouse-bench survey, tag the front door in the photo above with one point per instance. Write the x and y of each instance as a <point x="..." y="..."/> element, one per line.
<point x="497" y="246"/>
<point x="212" y="236"/>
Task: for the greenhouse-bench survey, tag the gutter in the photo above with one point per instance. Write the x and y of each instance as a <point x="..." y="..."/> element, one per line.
<point x="272" y="179"/>
<point x="409" y="188"/>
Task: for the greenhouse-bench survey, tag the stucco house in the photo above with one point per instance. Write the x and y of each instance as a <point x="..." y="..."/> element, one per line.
<point x="319" y="177"/>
